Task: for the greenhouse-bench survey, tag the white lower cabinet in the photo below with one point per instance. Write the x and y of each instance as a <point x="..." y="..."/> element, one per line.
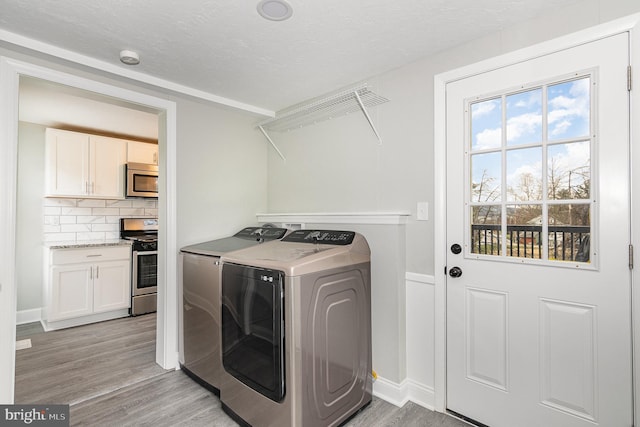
<point x="71" y="291"/>
<point x="85" y="285"/>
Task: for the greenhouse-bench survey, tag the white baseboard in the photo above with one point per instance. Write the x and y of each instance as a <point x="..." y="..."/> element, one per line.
<point x="28" y="316"/>
<point x="84" y="320"/>
<point x="421" y="394"/>
<point x="420" y="278"/>
<point x="394" y="393"/>
<point x="400" y="394"/>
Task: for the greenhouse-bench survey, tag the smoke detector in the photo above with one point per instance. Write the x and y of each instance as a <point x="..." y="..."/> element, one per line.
<point x="129" y="57"/>
<point x="275" y="10"/>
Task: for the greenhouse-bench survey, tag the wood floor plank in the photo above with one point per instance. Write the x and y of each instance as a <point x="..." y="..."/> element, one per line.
<point x="107" y="373"/>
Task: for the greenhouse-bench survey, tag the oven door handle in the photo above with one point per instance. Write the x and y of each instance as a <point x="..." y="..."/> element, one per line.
<point x="144" y="253"/>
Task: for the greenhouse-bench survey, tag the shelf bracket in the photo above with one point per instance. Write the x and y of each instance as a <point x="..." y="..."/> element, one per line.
<point x="366" y="114"/>
<point x="266" y="135"/>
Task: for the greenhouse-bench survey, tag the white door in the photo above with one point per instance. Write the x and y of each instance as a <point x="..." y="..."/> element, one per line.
<point x="539" y="319"/>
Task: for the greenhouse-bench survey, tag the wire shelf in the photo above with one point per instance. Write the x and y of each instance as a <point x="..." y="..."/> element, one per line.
<point x="326" y="108"/>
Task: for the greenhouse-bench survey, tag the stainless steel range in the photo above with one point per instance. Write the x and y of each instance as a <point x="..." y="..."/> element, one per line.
<point x="143" y="232"/>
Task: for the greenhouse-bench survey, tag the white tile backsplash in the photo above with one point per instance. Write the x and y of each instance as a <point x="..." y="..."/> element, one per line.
<point x="90" y="236"/>
<point x="67" y="211"/>
<point x="68" y="220"/>
<point x="49" y="210"/>
<point x="60" y="202"/>
<point x="59" y="237"/>
<point x="118" y="203"/>
<point x="91" y="203"/>
<point x="105" y="227"/>
<point x="91" y="219"/>
<point x="51" y="220"/>
<point x="106" y="211"/>
<point x="132" y="211"/>
<point x="75" y="228"/>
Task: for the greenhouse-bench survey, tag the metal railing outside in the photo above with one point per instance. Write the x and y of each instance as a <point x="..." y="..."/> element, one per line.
<point x="566" y="242"/>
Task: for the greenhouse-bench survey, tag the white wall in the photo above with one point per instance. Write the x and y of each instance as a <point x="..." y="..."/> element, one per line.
<point x="222" y="172"/>
<point x="29" y="222"/>
<point x="337" y="166"/>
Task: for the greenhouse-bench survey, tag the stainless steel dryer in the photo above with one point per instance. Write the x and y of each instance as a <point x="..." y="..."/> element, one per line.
<point x="200" y="356"/>
<point x="296" y="330"/>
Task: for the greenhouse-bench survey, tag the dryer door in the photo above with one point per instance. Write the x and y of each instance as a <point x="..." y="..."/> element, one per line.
<point x="253" y="328"/>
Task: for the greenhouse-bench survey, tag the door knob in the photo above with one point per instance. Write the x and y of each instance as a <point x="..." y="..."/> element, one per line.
<point x="455" y="272"/>
<point x="456" y="248"/>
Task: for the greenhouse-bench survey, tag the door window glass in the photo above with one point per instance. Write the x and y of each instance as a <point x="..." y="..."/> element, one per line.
<point x="530" y="195"/>
<point x="524" y="174"/>
<point x="486" y="129"/>
<point x="486" y="177"/>
<point x="524" y="117"/>
<point x="569" y="171"/>
<point x="568" y="109"/>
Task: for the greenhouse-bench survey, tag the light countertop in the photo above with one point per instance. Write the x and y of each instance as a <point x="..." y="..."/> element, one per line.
<point x="87" y="244"/>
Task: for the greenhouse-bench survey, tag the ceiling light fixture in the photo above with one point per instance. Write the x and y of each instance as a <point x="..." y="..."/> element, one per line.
<point x="129" y="57"/>
<point x="275" y="10"/>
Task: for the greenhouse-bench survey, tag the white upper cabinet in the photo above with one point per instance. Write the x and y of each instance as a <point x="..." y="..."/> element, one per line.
<point x="81" y="165"/>
<point x="107" y="166"/>
<point x="67" y="163"/>
<point x="142" y="152"/>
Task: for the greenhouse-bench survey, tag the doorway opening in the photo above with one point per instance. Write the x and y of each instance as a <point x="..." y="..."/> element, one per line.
<point x="165" y="111"/>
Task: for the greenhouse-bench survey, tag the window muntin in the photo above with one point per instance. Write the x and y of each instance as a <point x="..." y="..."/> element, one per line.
<point x="530" y="166"/>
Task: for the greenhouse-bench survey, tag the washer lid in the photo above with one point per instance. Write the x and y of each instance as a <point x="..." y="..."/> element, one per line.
<point x="303" y="254"/>
<point x="245" y="238"/>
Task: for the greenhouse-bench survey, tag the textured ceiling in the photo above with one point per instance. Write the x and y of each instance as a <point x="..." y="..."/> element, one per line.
<point x="226" y="48"/>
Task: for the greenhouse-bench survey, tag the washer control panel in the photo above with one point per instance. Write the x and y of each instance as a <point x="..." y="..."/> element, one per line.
<point x="264" y="233"/>
<point x="327" y="237"/>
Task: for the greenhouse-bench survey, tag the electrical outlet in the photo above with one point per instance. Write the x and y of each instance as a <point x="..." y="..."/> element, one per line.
<point x="423" y="211"/>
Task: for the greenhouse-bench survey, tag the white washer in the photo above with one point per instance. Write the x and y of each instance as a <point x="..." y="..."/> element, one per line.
<point x="296" y="330"/>
<point x="200" y="356"/>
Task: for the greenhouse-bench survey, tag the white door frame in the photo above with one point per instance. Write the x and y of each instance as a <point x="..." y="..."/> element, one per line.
<point x="167" y="317"/>
<point x="630" y="24"/>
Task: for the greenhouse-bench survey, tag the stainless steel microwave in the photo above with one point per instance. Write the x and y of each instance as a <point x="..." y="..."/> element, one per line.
<point x="142" y="180"/>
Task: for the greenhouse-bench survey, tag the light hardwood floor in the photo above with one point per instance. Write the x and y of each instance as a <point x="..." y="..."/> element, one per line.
<point x="107" y="374"/>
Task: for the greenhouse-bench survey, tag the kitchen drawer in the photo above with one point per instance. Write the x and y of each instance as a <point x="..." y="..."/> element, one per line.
<point x="94" y="254"/>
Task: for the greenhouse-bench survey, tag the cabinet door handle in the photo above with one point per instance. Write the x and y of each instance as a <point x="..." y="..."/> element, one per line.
<point x="91" y="273"/>
<point x="93" y="255"/>
<point x="97" y="272"/>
